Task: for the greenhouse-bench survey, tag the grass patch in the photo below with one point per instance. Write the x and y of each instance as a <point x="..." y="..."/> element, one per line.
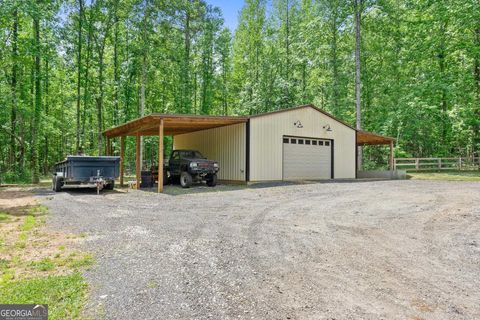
<point x="20" y="245"/>
<point x="43" y="265"/>
<point x="446" y="175"/>
<point x="4" y="264"/>
<point x="75" y="261"/>
<point x="37" y="265"/>
<point x="4" y="217"/>
<point x="28" y="224"/>
<point x="37" y="210"/>
<point x="152" y="284"/>
<point x="85" y="260"/>
<point x="63" y="294"/>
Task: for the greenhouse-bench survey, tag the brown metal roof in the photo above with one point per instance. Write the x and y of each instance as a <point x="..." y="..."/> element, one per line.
<point x="182" y="123"/>
<point x="370" y="138"/>
<point x="173" y="124"/>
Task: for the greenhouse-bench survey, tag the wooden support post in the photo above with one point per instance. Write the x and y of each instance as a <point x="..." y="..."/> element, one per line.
<point x="391" y="156"/>
<point x="107" y="148"/>
<point x="160" y="157"/>
<point x="137" y="160"/>
<point x="122" y="159"/>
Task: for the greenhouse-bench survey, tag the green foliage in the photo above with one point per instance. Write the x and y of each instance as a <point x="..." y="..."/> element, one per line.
<point x="18" y="176"/>
<point x="64" y="294"/>
<point x="420" y="71"/>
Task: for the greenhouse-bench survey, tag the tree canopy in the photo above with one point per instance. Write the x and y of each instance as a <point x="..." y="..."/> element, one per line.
<point x="69" y="69"/>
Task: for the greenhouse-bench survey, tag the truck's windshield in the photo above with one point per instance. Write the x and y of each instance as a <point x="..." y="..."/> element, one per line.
<point x="190" y="154"/>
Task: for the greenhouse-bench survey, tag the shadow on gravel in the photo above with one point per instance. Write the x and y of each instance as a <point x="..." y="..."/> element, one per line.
<point x="175" y="189"/>
<point x="86" y="192"/>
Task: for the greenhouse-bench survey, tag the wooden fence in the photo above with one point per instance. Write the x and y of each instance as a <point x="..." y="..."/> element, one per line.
<point x="437" y="163"/>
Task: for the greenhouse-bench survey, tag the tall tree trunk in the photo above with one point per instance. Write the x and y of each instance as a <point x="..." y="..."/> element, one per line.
<point x="186" y="106"/>
<point x="13" y="115"/>
<point x="358" y="84"/>
<point x="476" y="75"/>
<point x="126" y="114"/>
<point x="86" y="90"/>
<point x="287" y="52"/>
<point x="100" y="100"/>
<point x="335" y="98"/>
<point x="443" y="93"/>
<point x="38" y="101"/>
<point x="224" y="87"/>
<point x="79" y="70"/>
<point x="45" y="159"/>
<point x="144" y="73"/>
<point x="116" y="111"/>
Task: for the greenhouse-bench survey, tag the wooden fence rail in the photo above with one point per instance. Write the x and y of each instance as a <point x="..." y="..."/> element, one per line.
<point x="461" y="163"/>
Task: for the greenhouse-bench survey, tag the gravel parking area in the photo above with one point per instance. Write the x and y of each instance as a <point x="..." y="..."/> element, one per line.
<point x="357" y="250"/>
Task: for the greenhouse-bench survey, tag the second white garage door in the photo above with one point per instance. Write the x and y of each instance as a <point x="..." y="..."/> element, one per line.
<point x="306" y="158"/>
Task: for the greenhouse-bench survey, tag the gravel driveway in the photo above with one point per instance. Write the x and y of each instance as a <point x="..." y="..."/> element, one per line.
<point x="357" y="250"/>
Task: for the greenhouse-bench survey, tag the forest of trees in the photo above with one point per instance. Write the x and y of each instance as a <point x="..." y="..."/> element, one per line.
<point x="69" y="69"/>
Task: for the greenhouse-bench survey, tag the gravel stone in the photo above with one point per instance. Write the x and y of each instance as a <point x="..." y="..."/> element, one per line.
<point x="353" y="250"/>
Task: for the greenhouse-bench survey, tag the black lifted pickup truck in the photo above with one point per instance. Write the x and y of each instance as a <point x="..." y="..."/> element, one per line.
<point x="191" y="166"/>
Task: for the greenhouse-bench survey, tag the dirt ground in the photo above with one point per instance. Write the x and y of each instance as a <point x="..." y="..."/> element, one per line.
<point x="29" y="248"/>
<point x="353" y="250"/>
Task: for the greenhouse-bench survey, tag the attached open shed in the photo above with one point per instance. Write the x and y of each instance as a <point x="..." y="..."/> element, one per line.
<point x="291" y="144"/>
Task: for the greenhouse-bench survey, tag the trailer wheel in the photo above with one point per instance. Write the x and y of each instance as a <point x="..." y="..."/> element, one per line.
<point x="185" y="179"/>
<point x="212" y="180"/>
<point x="110" y="186"/>
<point x="57" y="184"/>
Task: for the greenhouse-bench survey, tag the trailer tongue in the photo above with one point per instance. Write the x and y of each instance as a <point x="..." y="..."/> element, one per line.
<point x="86" y="172"/>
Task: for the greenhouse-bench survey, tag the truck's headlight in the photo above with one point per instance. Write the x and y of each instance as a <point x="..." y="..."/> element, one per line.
<point x="193" y="164"/>
<point x="215" y="165"/>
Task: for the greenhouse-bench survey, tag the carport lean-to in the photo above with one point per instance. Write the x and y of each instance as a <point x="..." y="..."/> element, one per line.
<point x="298" y="143"/>
<point x="162" y="125"/>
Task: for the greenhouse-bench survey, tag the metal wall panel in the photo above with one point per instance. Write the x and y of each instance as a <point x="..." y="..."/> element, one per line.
<point x="266" y="144"/>
<point x="227" y="145"/>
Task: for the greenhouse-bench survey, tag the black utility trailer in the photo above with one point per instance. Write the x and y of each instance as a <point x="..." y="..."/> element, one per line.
<point x="86" y="172"/>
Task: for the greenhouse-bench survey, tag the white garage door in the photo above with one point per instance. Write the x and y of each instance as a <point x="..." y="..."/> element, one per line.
<point x="307" y="158"/>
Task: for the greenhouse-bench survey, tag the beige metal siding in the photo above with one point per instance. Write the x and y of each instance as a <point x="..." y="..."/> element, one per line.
<point x="225" y="145"/>
<point x="266" y="142"/>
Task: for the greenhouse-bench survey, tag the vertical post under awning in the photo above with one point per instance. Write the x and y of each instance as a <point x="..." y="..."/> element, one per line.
<point x="137" y="160"/>
<point x="160" y="157"/>
<point x="108" y="147"/>
<point x="122" y="159"/>
<point x="391" y="156"/>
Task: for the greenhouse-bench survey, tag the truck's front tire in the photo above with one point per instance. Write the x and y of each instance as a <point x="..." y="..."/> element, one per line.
<point x="212" y="180"/>
<point x="185" y="179"/>
<point x="166" y="179"/>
